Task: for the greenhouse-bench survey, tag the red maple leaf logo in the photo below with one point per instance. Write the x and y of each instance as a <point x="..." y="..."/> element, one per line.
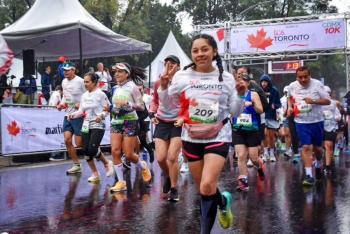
<point x="13" y="129"/>
<point x="193" y="102"/>
<point x="259" y="41"/>
<point x="221" y="34"/>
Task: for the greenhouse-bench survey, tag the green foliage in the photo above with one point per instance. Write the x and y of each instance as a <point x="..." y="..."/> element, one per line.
<point x="103" y="10"/>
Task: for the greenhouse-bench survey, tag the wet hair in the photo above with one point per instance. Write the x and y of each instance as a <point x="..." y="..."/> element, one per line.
<point x="211" y="41"/>
<point x="303" y="68"/>
<point x="247" y="69"/>
<point x="93" y="77"/>
<point x="137" y="74"/>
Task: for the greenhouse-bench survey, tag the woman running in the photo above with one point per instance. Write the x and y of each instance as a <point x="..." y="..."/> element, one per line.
<point x="91" y="108"/>
<point x="245" y="136"/>
<point x="207" y="96"/>
<point x="126" y="100"/>
<point x="164" y="114"/>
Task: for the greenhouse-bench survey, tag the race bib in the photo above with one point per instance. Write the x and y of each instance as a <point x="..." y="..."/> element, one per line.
<point x="69" y="100"/>
<point x="304" y="108"/>
<point x="328" y="115"/>
<point x="244" y="120"/>
<point x="204" y="111"/>
<point x="117" y="121"/>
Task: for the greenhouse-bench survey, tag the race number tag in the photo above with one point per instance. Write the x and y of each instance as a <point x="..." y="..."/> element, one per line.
<point x="69" y="100"/>
<point x="244" y="120"/>
<point x="204" y="111"/>
<point x="117" y="121"/>
<point x="327" y="114"/>
<point x="85" y="127"/>
<point x="304" y="108"/>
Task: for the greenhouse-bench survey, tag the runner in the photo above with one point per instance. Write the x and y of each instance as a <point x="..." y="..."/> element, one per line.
<point x="331" y="115"/>
<point x="164" y="113"/>
<point x="245" y="136"/>
<point x="91" y="109"/>
<point x="126" y="99"/>
<point x="207" y="96"/>
<point x="73" y="88"/>
<point x="305" y="97"/>
<point x="285" y="133"/>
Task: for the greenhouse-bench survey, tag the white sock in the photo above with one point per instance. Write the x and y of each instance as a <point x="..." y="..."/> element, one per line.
<point x="119" y="170"/>
<point x="140" y="164"/>
<point x="266" y="151"/>
<point x="308" y="171"/>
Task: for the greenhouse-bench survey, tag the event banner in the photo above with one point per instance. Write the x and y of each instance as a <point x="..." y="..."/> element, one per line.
<point x="319" y="35"/>
<point x="26" y="130"/>
<point x="219" y="35"/>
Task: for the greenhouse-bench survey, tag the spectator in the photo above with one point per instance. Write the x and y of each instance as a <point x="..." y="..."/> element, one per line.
<point x="7" y="97"/>
<point x="3" y="84"/>
<point x="56" y="96"/>
<point x="46" y="83"/>
<point x="104" y="79"/>
<point x="27" y="86"/>
<point x="60" y="74"/>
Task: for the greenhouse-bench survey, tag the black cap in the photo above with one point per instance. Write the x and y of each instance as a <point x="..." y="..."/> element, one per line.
<point x="172" y="58"/>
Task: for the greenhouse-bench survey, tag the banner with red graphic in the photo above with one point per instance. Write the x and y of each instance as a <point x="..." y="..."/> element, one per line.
<point x="219" y="36"/>
<point x="319" y="35"/>
<point x="27" y="130"/>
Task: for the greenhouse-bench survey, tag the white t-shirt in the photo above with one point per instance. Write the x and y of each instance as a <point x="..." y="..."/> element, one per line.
<point x="204" y="99"/>
<point x="91" y="106"/>
<point x="55" y="98"/>
<point x="307" y="113"/>
<point x="104" y="79"/>
<point x="331" y="114"/>
<point x="72" y="91"/>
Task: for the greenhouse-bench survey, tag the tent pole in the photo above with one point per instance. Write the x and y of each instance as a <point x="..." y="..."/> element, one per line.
<point x="81" y="54"/>
<point x="149" y="70"/>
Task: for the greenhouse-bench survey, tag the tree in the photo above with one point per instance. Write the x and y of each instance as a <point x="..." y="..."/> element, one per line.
<point x="104" y="10"/>
<point x="12" y="10"/>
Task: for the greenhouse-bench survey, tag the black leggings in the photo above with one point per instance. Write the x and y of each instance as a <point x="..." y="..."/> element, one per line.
<point x="92" y="141"/>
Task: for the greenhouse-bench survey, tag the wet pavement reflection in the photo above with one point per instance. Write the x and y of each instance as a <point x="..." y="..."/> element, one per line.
<point x="44" y="200"/>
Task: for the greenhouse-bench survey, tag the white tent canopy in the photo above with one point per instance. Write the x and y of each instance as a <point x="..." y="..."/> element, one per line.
<point x="170" y="47"/>
<point x="52" y="29"/>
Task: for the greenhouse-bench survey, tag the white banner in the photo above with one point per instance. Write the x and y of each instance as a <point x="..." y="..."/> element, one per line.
<point x="26" y="130"/>
<point x="326" y="34"/>
<point x="219" y="36"/>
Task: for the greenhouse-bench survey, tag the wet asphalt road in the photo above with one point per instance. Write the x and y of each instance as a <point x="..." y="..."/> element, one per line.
<point x="42" y="199"/>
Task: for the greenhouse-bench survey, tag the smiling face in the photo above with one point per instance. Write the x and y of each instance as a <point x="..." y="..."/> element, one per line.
<point x="121" y="76"/>
<point x="202" y="55"/>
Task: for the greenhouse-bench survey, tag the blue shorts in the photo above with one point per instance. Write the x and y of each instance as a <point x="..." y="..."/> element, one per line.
<point x="310" y="134"/>
<point x="74" y="125"/>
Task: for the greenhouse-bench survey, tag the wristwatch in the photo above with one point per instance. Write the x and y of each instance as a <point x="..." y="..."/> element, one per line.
<point x="314" y="101"/>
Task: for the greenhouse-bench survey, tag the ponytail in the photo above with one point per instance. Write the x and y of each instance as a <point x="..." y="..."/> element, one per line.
<point x="138" y="75"/>
<point x="219" y="64"/>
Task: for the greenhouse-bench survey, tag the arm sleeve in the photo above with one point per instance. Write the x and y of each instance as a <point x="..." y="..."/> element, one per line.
<point x="235" y="102"/>
<point x="136" y="94"/>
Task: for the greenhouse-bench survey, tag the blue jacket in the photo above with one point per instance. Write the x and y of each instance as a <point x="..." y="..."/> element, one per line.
<point x="27" y="85"/>
<point x="273" y="97"/>
<point x="45" y="83"/>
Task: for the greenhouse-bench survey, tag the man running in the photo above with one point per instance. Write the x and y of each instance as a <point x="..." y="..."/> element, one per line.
<point x="305" y="99"/>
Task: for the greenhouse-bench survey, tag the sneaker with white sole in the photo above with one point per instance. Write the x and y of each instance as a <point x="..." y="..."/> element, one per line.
<point x="94" y="179"/>
<point x="146" y="173"/>
<point x="250" y="163"/>
<point x="119" y="186"/>
<point x="265" y="157"/>
<point x="272" y="158"/>
<point x="76" y="168"/>
<point x="110" y="169"/>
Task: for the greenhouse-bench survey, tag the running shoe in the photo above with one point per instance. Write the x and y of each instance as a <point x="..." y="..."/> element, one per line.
<point x="250" y="163"/>
<point x="110" y="169"/>
<point x="272" y="158"/>
<point x="184" y="168"/>
<point x="327" y="171"/>
<point x="288" y="153"/>
<point x="296" y="158"/>
<point x="174" y="195"/>
<point x="94" y="179"/>
<point x="336" y="151"/>
<point x="242" y="184"/>
<point x="225" y="214"/>
<point x="266" y="157"/>
<point x="146" y="173"/>
<point x="119" y="186"/>
<point x="167" y="185"/>
<point x="308" y="181"/>
<point x="76" y="168"/>
<point x="126" y="163"/>
<point x="55" y="157"/>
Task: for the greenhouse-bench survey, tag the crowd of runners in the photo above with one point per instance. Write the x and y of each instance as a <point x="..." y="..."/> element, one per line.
<point x="198" y="114"/>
